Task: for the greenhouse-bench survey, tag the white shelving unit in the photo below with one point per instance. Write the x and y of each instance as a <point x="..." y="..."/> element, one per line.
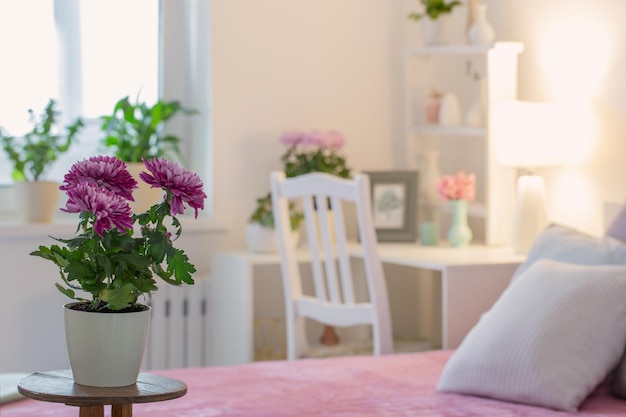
<point x="445" y="68"/>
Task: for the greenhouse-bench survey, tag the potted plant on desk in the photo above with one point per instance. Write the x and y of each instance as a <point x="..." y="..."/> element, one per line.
<point x="114" y="259"/>
<point x="136" y="132"/>
<point x="32" y="156"/>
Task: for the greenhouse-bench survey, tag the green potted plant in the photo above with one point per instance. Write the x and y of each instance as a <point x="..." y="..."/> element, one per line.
<point x="260" y="234"/>
<point x="32" y="156"/>
<point x="116" y="257"/>
<point x="433" y="18"/>
<point x="136" y="132"/>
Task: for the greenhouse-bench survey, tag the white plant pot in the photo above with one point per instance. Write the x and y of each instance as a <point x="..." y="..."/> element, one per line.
<point x="106" y="349"/>
<point x="37" y="200"/>
<point x="437" y="31"/>
<point x="145" y="196"/>
<point x="260" y="239"/>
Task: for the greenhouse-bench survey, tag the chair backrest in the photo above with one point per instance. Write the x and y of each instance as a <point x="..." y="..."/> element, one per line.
<point x="321" y="196"/>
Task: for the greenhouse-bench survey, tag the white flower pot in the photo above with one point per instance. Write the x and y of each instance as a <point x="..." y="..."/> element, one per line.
<point x="37" y="200"/>
<point x="145" y="196"/>
<point x="106" y="349"/>
<point x="437" y="31"/>
<point x="260" y="239"/>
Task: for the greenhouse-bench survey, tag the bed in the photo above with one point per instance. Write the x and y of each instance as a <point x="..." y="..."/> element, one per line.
<point x="536" y="364"/>
<point x="393" y="385"/>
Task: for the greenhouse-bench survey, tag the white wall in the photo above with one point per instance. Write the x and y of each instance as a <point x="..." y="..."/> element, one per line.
<point x="283" y="64"/>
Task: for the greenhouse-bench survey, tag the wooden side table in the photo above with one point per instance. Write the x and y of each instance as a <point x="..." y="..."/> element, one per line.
<point x="59" y="387"/>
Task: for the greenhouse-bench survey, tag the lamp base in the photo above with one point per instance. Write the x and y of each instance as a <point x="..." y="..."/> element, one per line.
<point x="531" y="215"/>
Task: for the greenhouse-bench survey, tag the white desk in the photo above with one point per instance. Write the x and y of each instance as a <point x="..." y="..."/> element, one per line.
<point x="472" y="279"/>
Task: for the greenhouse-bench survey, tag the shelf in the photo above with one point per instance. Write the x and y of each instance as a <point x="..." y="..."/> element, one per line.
<point x="433" y="129"/>
<point x="464" y="49"/>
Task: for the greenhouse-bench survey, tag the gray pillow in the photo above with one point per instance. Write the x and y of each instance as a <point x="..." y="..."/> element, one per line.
<point x="617" y="228"/>
<point x="552" y="336"/>
<point x="561" y="243"/>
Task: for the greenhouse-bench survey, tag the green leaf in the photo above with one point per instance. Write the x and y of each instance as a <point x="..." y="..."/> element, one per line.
<point x="178" y="264"/>
<point x="158" y="245"/>
<point x="119" y="298"/>
<point x="66" y="291"/>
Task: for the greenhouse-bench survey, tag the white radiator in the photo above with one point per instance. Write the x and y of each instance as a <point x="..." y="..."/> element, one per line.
<point x="178" y="328"/>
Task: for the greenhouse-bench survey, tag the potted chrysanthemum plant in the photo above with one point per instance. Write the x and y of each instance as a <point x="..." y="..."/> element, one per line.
<point x="116" y="257"/>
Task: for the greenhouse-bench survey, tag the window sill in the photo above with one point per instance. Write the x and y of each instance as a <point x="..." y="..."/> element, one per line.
<point x="12" y="227"/>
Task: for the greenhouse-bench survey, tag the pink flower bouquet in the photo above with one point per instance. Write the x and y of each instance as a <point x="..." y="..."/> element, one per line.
<point x="314" y="151"/>
<point x="457" y="187"/>
<point x="108" y="259"/>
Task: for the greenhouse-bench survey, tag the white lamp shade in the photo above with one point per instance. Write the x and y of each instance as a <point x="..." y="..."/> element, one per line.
<point x="529" y="134"/>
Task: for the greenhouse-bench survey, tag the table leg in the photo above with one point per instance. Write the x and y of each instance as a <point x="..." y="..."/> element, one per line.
<point x="468" y="292"/>
<point x="91" y="411"/>
<point x="122" y="410"/>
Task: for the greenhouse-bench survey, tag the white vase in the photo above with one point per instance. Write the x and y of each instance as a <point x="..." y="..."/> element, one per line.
<point x="449" y="110"/>
<point x="481" y="32"/>
<point x="37" y="200"/>
<point x="261" y="239"/>
<point x="429" y="174"/>
<point x="145" y="196"/>
<point x="106" y="349"/>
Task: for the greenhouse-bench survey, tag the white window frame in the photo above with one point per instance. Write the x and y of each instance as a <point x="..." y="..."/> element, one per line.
<point x="184" y="55"/>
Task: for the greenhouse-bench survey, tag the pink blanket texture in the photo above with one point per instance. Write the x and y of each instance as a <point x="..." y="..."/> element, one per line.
<point x="358" y="386"/>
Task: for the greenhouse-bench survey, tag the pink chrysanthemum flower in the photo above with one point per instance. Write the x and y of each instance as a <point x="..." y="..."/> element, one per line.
<point x="335" y="139"/>
<point x="105" y="171"/>
<point x="183" y="185"/>
<point x="291" y="137"/>
<point x="109" y="209"/>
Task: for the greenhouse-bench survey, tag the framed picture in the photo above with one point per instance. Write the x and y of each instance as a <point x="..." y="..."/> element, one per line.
<point x="394" y="196"/>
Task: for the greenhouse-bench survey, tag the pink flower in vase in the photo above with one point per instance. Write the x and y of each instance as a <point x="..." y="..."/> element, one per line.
<point x="461" y="186"/>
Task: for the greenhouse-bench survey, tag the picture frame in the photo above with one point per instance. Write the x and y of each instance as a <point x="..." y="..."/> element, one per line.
<point x="394" y="204"/>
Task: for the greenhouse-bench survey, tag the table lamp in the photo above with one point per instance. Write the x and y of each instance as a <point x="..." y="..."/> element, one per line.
<point x="528" y="135"/>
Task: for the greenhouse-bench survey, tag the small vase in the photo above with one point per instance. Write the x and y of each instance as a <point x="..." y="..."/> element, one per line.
<point x="481" y="32"/>
<point x="450" y="110"/>
<point x="460" y="233"/>
<point x="475" y="113"/>
<point x="106" y="349"/>
<point x="429" y="175"/>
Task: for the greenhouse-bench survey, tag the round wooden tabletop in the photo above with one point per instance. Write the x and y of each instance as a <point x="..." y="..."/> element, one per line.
<point x="59" y="387"/>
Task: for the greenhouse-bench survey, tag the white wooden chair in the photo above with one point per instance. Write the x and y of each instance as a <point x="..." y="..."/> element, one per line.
<point x="333" y="303"/>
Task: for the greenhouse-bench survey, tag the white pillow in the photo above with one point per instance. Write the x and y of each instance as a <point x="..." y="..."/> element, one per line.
<point x="549" y="340"/>
<point x="564" y="244"/>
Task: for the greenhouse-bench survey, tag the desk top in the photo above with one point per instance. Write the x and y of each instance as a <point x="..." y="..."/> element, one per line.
<point x="407" y="254"/>
<point x="440" y="257"/>
<point x="59" y="387"/>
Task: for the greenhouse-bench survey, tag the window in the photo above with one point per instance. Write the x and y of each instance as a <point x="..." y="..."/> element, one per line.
<point x="85" y="54"/>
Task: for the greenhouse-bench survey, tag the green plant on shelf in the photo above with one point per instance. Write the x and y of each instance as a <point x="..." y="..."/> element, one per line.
<point x="434" y="8"/>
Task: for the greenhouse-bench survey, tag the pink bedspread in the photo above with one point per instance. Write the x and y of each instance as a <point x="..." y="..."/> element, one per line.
<point x="395" y="385"/>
